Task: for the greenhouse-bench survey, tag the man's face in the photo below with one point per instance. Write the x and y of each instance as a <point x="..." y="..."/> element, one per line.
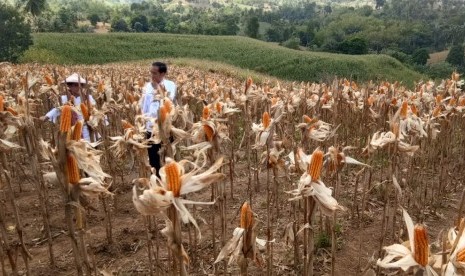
<point x="157" y="77"/>
<point x="73" y="88"/>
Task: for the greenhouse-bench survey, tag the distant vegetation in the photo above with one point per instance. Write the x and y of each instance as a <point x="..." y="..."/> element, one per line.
<point x="237" y="51"/>
<point x="407" y="30"/>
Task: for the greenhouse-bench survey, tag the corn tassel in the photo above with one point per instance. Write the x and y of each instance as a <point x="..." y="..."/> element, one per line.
<point x="77" y="131"/>
<point x="420" y="241"/>
<point x="173" y="178"/>
<point x="65" y="120"/>
<point x="73" y="170"/>
<point x="316" y="163"/>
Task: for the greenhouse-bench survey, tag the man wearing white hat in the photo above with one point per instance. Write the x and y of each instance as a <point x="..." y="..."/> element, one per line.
<point x="73" y="83"/>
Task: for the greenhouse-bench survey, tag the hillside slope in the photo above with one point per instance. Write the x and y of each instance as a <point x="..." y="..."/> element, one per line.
<point x="233" y="50"/>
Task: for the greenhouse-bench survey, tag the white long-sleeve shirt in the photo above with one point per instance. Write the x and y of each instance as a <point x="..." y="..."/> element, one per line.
<point x="150" y="105"/>
<point x="55" y="112"/>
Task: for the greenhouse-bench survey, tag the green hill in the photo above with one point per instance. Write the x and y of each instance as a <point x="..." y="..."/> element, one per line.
<point x="232" y="50"/>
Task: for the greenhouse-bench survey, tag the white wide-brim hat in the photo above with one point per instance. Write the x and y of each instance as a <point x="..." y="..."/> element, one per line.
<point x="75" y="78"/>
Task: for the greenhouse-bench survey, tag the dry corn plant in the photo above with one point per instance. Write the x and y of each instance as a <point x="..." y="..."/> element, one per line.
<point x="162" y="196"/>
<point x="243" y="244"/>
<point x="71" y="155"/>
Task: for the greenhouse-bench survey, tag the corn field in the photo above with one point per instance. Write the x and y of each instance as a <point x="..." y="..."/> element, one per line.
<point x="269" y="178"/>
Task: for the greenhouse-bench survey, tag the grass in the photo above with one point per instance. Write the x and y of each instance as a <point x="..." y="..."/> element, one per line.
<point x="236" y="51"/>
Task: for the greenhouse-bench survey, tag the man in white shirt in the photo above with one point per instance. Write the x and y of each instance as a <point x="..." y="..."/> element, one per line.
<point x="150" y="104"/>
<point x="72" y="82"/>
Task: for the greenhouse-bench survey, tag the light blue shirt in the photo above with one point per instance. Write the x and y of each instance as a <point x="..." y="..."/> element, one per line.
<point x="150" y="104"/>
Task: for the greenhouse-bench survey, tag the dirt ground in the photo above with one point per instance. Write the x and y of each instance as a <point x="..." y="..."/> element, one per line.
<point x="127" y="255"/>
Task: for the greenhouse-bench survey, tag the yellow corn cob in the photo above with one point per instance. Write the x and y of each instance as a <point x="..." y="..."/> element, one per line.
<point x="168" y="105"/>
<point x="1" y="103"/>
<point x="316" y="163"/>
<point x="24" y="81"/>
<point x="394" y="101"/>
<point x="12" y="111"/>
<point x="452" y="102"/>
<point x="73" y="170"/>
<point x="208" y="132"/>
<point x="48" y="80"/>
<point x="129" y="98"/>
<point x="205" y="113"/>
<point x="246" y="216"/>
<point x="462" y="102"/>
<point x="274" y="101"/>
<point x="219" y="107"/>
<point x="395" y="129"/>
<point x="77" y="131"/>
<point x="414" y="110"/>
<point x="438" y="99"/>
<point x="420" y="240"/>
<point x="307" y="119"/>
<point x="173" y="178"/>
<point x="248" y="83"/>
<point x="403" y="110"/>
<point x="126" y="124"/>
<point x="101" y="86"/>
<point x="266" y="120"/>
<point x="370" y="100"/>
<point x="461" y="255"/>
<point x="354" y="86"/>
<point x="65" y="120"/>
<point x="140" y="82"/>
<point x="163" y="114"/>
<point x="85" y="112"/>
<point x="437" y="111"/>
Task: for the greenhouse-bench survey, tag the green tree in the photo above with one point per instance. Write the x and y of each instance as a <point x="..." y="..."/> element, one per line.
<point x="251" y="29"/>
<point x="379" y="4"/>
<point x="94" y="19"/>
<point x="34" y="7"/>
<point x="15" y="34"/>
<point x="66" y="21"/>
<point x="119" y="25"/>
<point x="420" y="56"/>
<point x="142" y="20"/>
<point x="354" y="46"/>
<point x="456" y="56"/>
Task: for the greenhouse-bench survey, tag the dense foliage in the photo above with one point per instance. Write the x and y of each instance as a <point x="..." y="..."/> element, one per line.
<point x="404" y="29"/>
<point x="15" y="34"/>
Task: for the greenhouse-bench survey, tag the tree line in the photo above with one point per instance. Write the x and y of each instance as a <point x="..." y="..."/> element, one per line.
<point x="407" y="30"/>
